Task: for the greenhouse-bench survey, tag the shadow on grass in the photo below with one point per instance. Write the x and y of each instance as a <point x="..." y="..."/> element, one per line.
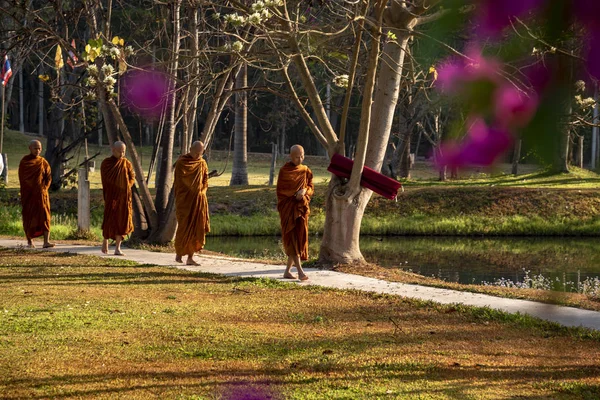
<point x="455" y="380"/>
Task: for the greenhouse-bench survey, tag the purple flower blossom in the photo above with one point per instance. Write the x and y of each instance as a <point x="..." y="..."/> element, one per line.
<point x="482" y="146"/>
<point x="593" y="53"/>
<point x="145" y="92"/>
<point x="494" y="15"/>
<point x="512" y="108"/>
<point x="453" y="74"/>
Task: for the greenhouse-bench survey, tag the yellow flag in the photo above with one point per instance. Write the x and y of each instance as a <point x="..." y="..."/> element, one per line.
<point x="433" y="71"/>
<point x="58" y="59"/>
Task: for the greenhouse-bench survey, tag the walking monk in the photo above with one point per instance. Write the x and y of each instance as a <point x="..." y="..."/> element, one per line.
<point x="294" y="190"/>
<point x="191" y="183"/>
<point x="35" y="178"/>
<point x="117" y="179"/>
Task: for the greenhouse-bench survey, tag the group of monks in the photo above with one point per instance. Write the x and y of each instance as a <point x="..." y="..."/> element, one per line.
<point x="294" y="191"/>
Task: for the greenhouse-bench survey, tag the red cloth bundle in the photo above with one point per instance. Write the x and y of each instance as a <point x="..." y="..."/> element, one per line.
<point x="371" y="179"/>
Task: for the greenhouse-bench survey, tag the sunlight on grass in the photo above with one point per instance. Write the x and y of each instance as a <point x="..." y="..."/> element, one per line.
<point x="75" y="326"/>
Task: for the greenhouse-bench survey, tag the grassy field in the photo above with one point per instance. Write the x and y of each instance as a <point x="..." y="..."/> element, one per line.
<point x="87" y="327"/>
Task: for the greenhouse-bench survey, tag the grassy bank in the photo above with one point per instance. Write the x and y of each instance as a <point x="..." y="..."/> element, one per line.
<point x="482" y="202"/>
<point x="421" y="210"/>
<point x="87" y="327"/>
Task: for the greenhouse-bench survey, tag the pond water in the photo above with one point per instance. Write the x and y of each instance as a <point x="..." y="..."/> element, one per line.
<point x="561" y="261"/>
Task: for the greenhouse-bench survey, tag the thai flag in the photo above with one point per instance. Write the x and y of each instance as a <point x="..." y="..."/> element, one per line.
<point x="6" y="71"/>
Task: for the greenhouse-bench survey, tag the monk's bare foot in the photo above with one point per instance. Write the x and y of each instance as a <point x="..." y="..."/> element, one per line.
<point x="303" y="277"/>
<point x="105" y="246"/>
<point x="48" y="245"/>
<point x="191" y="261"/>
<point x="118" y="252"/>
<point x="30" y="246"/>
<point x="289" y="275"/>
<point x="179" y="259"/>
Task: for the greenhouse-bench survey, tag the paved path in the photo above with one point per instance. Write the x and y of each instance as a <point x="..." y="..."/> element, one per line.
<point x="567" y="316"/>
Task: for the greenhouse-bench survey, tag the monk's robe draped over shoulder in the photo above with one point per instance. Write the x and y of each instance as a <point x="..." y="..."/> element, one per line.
<point x="191" y="183"/>
<point x="117" y="179"/>
<point x="294" y="213"/>
<point x="35" y="178"/>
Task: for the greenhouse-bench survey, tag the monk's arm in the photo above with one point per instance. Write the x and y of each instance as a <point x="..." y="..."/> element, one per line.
<point x="46" y="177"/>
<point x="310" y="188"/>
<point x="204" y="179"/>
<point x="130" y="175"/>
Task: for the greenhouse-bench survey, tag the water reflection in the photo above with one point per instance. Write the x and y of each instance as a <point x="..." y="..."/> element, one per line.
<point x="455" y="259"/>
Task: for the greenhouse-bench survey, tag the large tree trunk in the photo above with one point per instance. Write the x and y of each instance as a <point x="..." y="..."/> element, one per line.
<point x="560" y="163"/>
<point x="340" y="243"/>
<point x="341" y="237"/>
<point x="239" y="173"/>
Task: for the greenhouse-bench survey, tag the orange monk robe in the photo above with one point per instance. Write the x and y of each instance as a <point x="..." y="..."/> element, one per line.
<point x="191" y="183"/>
<point x="293" y="213"/>
<point x="117" y="179"/>
<point x="35" y="178"/>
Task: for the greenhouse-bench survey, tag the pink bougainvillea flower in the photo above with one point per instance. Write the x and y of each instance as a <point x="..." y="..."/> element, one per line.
<point x="145" y="92"/>
<point x="588" y="13"/>
<point x="453" y="74"/>
<point x="593" y="54"/>
<point x="481" y="147"/>
<point x="512" y="108"/>
<point x="494" y="15"/>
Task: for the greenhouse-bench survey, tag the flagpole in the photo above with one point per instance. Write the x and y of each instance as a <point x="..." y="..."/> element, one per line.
<point x="2" y="122"/>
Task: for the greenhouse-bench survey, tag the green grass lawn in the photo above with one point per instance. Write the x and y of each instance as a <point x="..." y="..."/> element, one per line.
<point x="89" y="327"/>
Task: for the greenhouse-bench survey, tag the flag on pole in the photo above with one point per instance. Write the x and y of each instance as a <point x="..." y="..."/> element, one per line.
<point x="58" y="59"/>
<point x="72" y="59"/>
<point x="6" y="71"/>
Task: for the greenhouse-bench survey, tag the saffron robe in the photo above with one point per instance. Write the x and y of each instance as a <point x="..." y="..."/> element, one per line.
<point x="293" y="214"/>
<point x="117" y="179"/>
<point x="35" y="177"/>
<point x="191" y="184"/>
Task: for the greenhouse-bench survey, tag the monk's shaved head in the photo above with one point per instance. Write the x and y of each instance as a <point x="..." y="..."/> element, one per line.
<point x="297" y="154"/>
<point x="35" y="147"/>
<point x="118" y="149"/>
<point x="197" y="149"/>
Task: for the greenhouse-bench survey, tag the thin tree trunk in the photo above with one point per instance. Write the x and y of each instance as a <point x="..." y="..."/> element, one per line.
<point x="516" y="157"/>
<point x="165" y="183"/>
<point x="580" y="151"/>
<point x="21" y="103"/>
<point x="239" y="173"/>
<point x="273" y="163"/>
<point x="40" y="103"/>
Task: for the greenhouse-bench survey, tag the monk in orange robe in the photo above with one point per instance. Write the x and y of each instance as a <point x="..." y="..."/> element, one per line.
<point x="35" y="178"/>
<point x="294" y="190"/>
<point x="191" y="183"/>
<point x="117" y="179"/>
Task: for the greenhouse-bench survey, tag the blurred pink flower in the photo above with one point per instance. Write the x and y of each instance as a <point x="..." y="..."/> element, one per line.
<point x="494" y="15"/>
<point x="453" y="74"/>
<point x="482" y="146"/>
<point x="512" y="108"/>
<point x="145" y="92"/>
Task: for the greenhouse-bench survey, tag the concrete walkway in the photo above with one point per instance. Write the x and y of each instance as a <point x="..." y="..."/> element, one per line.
<point x="567" y="316"/>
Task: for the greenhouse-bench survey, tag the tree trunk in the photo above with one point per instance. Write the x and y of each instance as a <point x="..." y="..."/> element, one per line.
<point x="239" y="172"/>
<point x="168" y="140"/>
<point x="516" y="157"/>
<point x="340" y="243"/>
<point x="405" y="159"/>
<point x="341" y="237"/>
<point x="580" y="151"/>
<point x="273" y="163"/>
<point x="561" y="158"/>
